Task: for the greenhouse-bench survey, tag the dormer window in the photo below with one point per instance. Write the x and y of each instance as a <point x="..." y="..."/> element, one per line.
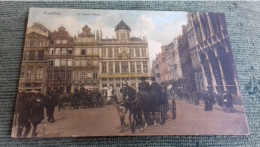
<point x="58" y="41"/>
<point x="64" y="41"/>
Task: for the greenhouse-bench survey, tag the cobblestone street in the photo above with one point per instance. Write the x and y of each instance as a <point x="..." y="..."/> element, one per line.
<point x="191" y="120"/>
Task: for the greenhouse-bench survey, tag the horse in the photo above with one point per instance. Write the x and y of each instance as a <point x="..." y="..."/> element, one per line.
<point x="130" y="101"/>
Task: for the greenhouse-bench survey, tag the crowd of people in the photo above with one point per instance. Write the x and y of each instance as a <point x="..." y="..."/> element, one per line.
<point x="30" y="111"/>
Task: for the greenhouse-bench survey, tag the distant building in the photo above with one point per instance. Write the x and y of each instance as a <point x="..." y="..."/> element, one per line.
<point x="123" y="58"/>
<point x="185" y="61"/>
<point x="211" y="53"/>
<point x="86" y="59"/>
<point x="60" y="62"/>
<point x="33" y="68"/>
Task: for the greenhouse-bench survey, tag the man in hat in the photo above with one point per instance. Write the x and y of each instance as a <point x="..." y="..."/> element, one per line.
<point x="144" y="86"/>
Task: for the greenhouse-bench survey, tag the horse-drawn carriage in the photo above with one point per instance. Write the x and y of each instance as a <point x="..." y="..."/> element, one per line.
<point x="86" y="97"/>
<point x="144" y="107"/>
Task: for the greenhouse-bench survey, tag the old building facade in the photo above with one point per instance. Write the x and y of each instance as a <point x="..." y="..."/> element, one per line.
<point x="86" y="59"/>
<point x="124" y="58"/>
<point x="211" y="53"/>
<point x="33" y="68"/>
<point x="60" y="61"/>
<point x="185" y="62"/>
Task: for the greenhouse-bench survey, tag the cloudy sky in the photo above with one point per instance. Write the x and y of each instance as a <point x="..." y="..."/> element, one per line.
<point x="159" y="27"/>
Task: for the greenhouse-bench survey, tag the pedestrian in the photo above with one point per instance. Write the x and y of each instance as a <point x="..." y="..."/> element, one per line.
<point x="50" y="104"/>
<point x="37" y="112"/>
<point x="24" y="115"/>
<point x="228" y="103"/>
<point x="208" y="101"/>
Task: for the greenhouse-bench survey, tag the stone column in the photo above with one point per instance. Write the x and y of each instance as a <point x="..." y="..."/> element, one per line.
<point x="221" y="71"/>
<point x="120" y="67"/>
<point x="129" y="67"/>
<point x="212" y="74"/>
<point x="205" y="81"/>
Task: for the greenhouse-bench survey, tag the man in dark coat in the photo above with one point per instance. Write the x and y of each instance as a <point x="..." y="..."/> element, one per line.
<point x="228" y="103"/>
<point x="24" y="115"/>
<point x="144" y="86"/>
<point x="50" y="103"/>
<point x="208" y="99"/>
<point x="37" y="112"/>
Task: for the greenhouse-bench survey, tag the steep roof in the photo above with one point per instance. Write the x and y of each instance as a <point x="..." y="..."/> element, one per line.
<point x="122" y="26"/>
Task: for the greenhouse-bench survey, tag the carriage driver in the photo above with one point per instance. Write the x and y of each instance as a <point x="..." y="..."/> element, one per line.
<point x="144" y="86"/>
<point x="155" y="89"/>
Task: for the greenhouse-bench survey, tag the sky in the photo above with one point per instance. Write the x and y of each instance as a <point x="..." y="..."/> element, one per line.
<point x="159" y="27"/>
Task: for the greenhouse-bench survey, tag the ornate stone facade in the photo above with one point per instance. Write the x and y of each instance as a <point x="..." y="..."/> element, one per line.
<point x="211" y="53"/>
<point x="33" y="68"/>
<point x="86" y="59"/>
<point x="124" y="58"/>
<point x="60" y="61"/>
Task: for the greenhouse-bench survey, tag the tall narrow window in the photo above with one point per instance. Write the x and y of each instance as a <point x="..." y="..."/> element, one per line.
<point x="104" y="67"/>
<point x="83" y="75"/>
<point x="103" y="51"/>
<point x="110" y="53"/>
<point x="137" y="52"/>
<point x="117" y="67"/>
<point x="116" y="52"/>
<point x="30" y="72"/>
<point x="57" y="62"/>
<point x="144" y="52"/>
<point x="95" y="75"/>
<point x="57" y="51"/>
<point x="63" y="51"/>
<point x="138" y="66"/>
<point x="145" y="67"/>
<point x="40" y="55"/>
<point x="39" y="72"/>
<point x="132" y="64"/>
<point x="69" y="62"/>
<point x="110" y="67"/>
<point x="63" y="62"/>
<point x="124" y="67"/>
<point x="131" y="50"/>
<point x="31" y="55"/>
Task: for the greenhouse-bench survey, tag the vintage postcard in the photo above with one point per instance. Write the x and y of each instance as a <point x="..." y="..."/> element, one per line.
<point x="127" y="73"/>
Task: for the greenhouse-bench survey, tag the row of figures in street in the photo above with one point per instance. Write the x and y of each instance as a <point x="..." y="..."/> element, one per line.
<point x="30" y="112"/>
<point x="224" y="101"/>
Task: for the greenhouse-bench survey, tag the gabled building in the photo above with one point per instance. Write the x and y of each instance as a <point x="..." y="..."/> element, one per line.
<point x="123" y="58"/>
<point x="211" y="53"/>
<point x="33" y="68"/>
<point x="86" y="59"/>
<point x="60" y="61"/>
